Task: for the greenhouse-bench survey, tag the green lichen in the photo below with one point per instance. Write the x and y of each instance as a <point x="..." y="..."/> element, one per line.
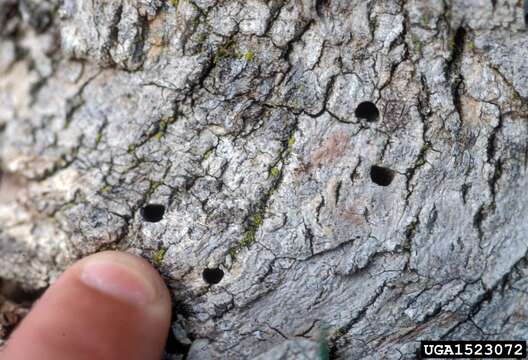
<point x="249" y="236"/>
<point x="207" y="154"/>
<point x="249" y="56"/>
<point x="421" y="162"/>
<point x="338" y="333"/>
<point x="417" y="43"/>
<point x="426" y="19"/>
<point x="106" y="189"/>
<point x="175" y="3"/>
<point x="291" y="141"/>
<point x="98" y="138"/>
<point x="257" y="220"/>
<point x="227" y="51"/>
<point x="158" y="257"/>
<point x="162" y="127"/>
<point x="131" y="148"/>
<point x="153" y="186"/>
<point x="200" y="41"/>
<point x="452" y="42"/>
<point x="275" y="172"/>
<point x="421" y="156"/>
<point x="233" y="252"/>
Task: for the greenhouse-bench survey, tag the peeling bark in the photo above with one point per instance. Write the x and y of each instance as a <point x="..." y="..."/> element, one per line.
<point x="356" y="231"/>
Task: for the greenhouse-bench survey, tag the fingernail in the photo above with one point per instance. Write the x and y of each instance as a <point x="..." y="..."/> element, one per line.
<point x="119" y="281"/>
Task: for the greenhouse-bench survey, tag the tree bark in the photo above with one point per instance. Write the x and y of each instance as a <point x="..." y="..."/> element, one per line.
<point x="352" y="172"/>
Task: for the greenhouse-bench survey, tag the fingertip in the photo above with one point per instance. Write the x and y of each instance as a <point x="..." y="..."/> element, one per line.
<point x="110" y="305"/>
<point x="127" y="277"/>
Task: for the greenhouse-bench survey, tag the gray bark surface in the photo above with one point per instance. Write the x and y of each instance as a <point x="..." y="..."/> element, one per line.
<point x="239" y="117"/>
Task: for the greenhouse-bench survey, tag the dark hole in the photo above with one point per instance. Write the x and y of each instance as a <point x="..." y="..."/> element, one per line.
<point x="16" y="293"/>
<point x="175" y="345"/>
<point x="153" y="212"/>
<point x="381" y="176"/>
<point x="368" y="111"/>
<point x="213" y="276"/>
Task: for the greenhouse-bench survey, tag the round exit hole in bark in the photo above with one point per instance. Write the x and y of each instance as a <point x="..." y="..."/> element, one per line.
<point x="153" y="212"/>
<point x="213" y="276"/>
<point x="368" y="111"/>
<point x="381" y="176"/>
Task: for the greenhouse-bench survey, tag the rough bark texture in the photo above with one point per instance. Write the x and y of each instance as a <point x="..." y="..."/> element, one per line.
<point x="241" y="118"/>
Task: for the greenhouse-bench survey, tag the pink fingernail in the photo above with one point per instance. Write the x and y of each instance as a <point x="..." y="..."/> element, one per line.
<point x="118" y="281"/>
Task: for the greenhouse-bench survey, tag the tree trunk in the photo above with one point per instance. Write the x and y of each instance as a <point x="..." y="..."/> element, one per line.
<point x="341" y="176"/>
